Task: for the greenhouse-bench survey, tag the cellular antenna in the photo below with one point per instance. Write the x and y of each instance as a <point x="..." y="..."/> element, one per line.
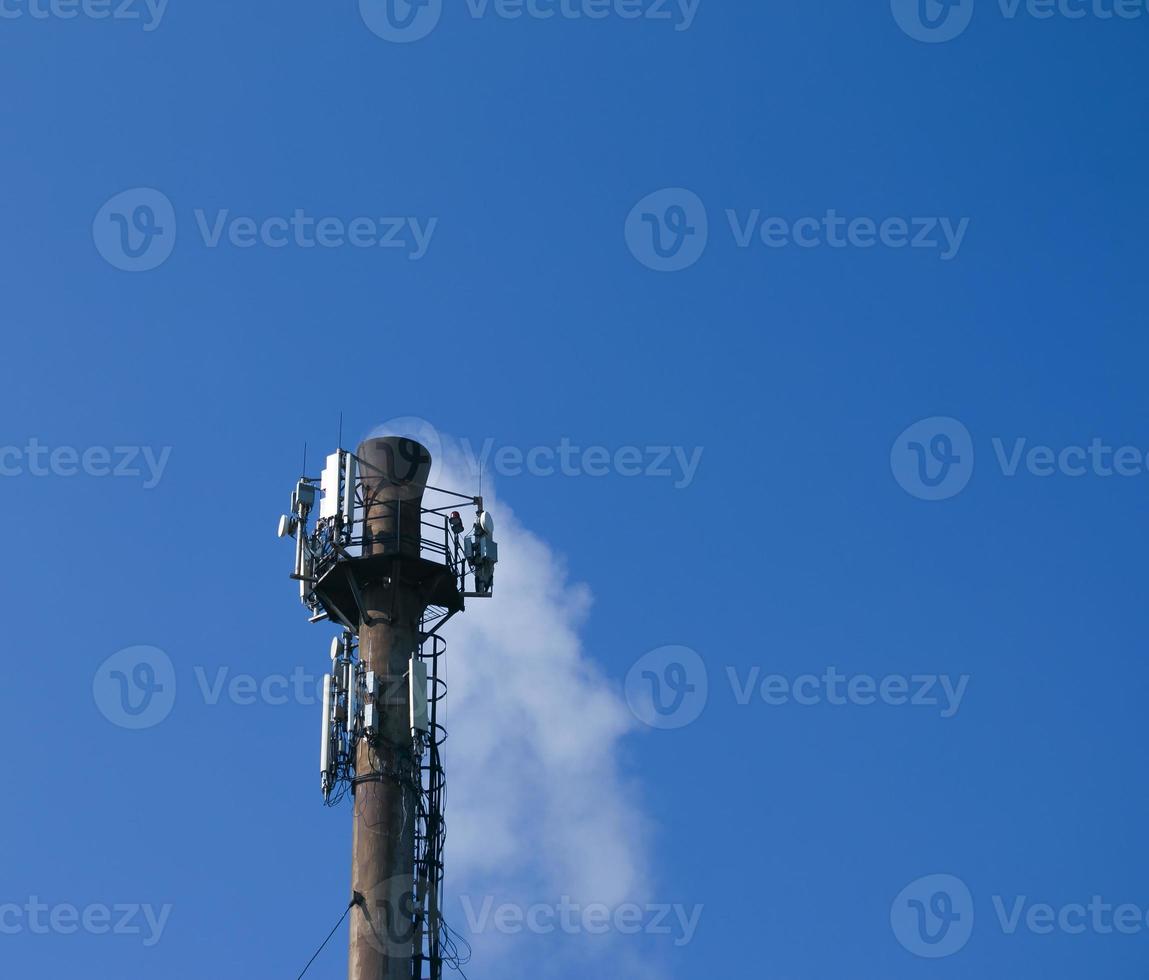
<point x="389" y="561"/>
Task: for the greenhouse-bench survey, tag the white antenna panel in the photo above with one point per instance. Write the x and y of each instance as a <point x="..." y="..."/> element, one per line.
<point x="349" y="489"/>
<point x="325" y="745"/>
<point x="329" y="505"/>
<point x="417" y="676"/>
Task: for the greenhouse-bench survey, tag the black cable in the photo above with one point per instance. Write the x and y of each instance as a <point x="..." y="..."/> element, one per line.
<point x="350" y="906"/>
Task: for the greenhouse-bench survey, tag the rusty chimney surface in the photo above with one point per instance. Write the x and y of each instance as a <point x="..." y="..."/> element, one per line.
<point x="393" y="474"/>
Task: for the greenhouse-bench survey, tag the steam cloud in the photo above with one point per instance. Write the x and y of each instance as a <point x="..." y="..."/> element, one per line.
<point x="537" y="807"/>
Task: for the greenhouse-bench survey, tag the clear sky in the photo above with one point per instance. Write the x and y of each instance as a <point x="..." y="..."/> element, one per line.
<point x="783" y="234"/>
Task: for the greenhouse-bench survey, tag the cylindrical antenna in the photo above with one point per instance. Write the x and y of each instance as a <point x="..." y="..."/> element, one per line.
<point x="325" y="745"/>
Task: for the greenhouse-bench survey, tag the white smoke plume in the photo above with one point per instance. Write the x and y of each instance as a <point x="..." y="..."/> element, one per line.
<point x="537" y="807"/>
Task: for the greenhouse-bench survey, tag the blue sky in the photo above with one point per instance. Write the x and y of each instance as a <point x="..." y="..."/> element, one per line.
<point x="592" y="232"/>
